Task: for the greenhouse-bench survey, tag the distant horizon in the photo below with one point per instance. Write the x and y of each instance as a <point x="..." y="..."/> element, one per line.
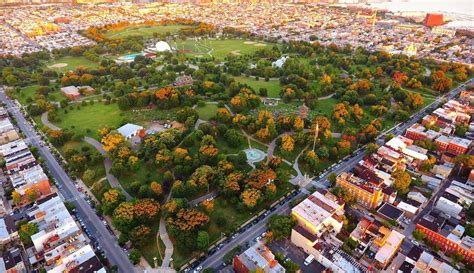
<point x="460" y="7"/>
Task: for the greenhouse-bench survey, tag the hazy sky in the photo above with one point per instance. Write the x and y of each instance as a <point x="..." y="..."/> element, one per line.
<point x="458" y="6"/>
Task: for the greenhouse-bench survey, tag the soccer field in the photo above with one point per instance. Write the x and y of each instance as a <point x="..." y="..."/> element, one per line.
<point x="145" y="31"/>
<point x="218" y="48"/>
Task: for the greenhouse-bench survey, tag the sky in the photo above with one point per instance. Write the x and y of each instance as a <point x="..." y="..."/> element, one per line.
<point x="465" y="7"/>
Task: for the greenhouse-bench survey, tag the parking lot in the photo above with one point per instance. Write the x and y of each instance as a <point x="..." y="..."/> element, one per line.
<point x="296" y="255"/>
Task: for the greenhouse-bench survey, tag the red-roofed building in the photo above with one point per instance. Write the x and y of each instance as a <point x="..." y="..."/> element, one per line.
<point x="433" y="20"/>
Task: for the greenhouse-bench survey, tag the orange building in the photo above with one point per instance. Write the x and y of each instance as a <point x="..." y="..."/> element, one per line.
<point x="366" y="193"/>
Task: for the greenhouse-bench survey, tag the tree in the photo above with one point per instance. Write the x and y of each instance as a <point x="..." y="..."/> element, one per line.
<point x="156" y="188"/>
<point x="124" y="216"/>
<point x="31" y="194"/>
<point x="357" y="113"/>
<point x="202" y="240"/>
<point x="16" y="197"/>
<point x="111" y="141"/>
<point x="281" y="225"/>
<point x="402" y="181"/>
<point x="340" y="113"/>
<point x="251" y="197"/>
<point x="89" y="176"/>
<point x="134" y="256"/>
<point x="371" y="148"/>
<point x="26" y="231"/>
<point x="140" y="235"/>
<point x="418" y="235"/>
<point x="111" y="199"/>
<point x="287" y="143"/>
<point x="146" y="210"/>
<point x="258" y="178"/>
<point x="208" y="205"/>
<point x="189" y="220"/>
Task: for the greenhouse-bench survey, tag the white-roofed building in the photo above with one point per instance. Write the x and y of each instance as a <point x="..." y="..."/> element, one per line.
<point x="129" y="130"/>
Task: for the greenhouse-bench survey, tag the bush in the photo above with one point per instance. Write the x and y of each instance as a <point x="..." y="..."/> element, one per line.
<point x="134" y="256"/>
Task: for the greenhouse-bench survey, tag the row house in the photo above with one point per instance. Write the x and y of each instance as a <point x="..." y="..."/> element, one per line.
<point x="448" y="233"/>
<point x="418" y="260"/>
<point x="453" y="145"/>
<point x="375" y="238"/>
<point x="59" y="245"/>
<point x="17" y="156"/>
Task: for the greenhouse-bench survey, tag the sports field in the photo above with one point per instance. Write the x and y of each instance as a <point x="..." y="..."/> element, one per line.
<point x="273" y="86"/>
<point x="144" y="31"/>
<point x="68" y="63"/>
<point x="217" y="48"/>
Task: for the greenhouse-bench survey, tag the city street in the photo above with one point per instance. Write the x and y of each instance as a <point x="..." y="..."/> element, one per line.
<point x="106" y="241"/>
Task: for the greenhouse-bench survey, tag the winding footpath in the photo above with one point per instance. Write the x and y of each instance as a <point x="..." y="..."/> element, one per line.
<point x="163" y="234"/>
<point x="114" y="182"/>
<point x="44" y="119"/>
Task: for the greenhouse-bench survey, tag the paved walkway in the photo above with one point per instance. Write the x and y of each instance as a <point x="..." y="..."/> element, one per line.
<point x="326" y="97"/>
<point x="114" y="182"/>
<point x="44" y="119"/>
<point x="198" y="200"/>
<point x="163" y="233"/>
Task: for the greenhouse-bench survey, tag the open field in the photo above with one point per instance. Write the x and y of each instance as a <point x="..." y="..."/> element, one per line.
<point x="88" y="119"/>
<point x="217" y="48"/>
<point x="68" y="63"/>
<point x="207" y="111"/>
<point x="273" y="86"/>
<point x="145" y="31"/>
<point x="27" y="95"/>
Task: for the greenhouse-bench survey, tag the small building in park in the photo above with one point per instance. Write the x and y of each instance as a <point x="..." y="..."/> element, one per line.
<point x="129" y="130"/>
<point x="71" y="92"/>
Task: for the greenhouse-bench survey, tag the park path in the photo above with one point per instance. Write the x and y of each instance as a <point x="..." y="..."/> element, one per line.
<point x="44" y="119"/>
<point x="114" y="182"/>
<point x="197" y="201"/>
<point x="326" y="97"/>
<point x="165" y="238"/>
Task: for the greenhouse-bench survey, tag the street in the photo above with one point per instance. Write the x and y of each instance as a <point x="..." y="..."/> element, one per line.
<point x="107" y="242"/>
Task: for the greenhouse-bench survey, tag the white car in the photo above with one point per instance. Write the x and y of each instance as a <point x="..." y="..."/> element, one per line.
<point x="198" y="269"/>
<point x="415" y="242"/>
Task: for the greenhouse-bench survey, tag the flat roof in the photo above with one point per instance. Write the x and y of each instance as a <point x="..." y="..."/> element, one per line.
<point x="390" y="211"/>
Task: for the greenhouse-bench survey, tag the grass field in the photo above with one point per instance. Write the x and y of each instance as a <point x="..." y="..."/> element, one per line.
<point x="28" y="94"/>
<point x="88" y="119"/>
<point x="217" y="48"/>
<point x="144" y="31"/>
<point x="207" y="111"/>
<point x="273" y="86"/>
<point x="71" y="63"/>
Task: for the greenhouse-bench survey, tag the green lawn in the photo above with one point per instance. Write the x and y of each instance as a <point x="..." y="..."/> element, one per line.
<point x="306" y="169"/>
<point x="273" y="86"/>
<point x="71" y="63"/>
<point x="151" y="250"/>
<point x="218" y="48"/>
<point x="88" y="119"/>
<point x="27" y="95"/>
<point x="146" y="174"/>
<point x="144" y="31"/>
<point x="207" y="111"/>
